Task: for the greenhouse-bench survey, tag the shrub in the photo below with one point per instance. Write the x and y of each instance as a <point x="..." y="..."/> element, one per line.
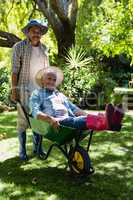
<point x="85" y="80"/>
<point x="4" y="85"/>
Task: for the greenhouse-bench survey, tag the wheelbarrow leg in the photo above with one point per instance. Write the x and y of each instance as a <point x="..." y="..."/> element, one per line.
<point x="90" y="139"/>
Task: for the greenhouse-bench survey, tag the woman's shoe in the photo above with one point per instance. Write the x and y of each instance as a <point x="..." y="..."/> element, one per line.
<point x="114" y="116"/>
<point x="109" y="111"/>
<point x="118" y="116"/>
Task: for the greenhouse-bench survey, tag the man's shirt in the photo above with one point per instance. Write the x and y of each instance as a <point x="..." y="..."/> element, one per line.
<point x="37" y="62"/>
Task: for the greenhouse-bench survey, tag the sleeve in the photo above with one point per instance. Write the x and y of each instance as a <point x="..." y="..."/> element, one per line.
<point x="46" y="61"/>
<point x="47" y="58"/>
<point x="16" y="59"/>
<point x="71" y="106"/>
<point x="35" y="104"/>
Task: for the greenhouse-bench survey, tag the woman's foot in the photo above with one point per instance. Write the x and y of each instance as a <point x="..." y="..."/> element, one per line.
<point x="117" y="117"/>
<point x="114" y="116"/>
<point x="109" y="111"/>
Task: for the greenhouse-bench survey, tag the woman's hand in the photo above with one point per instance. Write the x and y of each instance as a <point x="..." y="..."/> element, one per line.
<point x="80" y="113"/>
<point x="54" y="123"/>
<point x="51" y="120"/>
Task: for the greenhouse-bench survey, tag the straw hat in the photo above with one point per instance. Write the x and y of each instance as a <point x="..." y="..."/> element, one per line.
<point x="34" y="22"/>
<point x="40" y="75"/>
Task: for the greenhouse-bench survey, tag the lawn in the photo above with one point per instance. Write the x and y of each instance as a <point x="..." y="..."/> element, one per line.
<point x="111" y="154"/>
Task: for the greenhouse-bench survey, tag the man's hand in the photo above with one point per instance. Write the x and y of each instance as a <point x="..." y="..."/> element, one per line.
<point x="14" y="93"/>
<point x="14" y="96"/>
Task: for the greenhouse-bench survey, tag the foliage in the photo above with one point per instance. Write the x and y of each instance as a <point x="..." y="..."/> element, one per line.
<point x="84" y="76"/>
<point x="14" y="15"/>
<point x="5" y="60"/>
<point x="75" y="71"/>
<point x="76" y="58"/>
<point x="4" y="85"/>
<point x="105" y="28"/>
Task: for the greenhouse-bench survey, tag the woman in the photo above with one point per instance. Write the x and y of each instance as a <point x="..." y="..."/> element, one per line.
<point x="48" y="104"/>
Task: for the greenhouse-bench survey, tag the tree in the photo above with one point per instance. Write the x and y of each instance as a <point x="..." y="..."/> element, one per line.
<point x="8" y="39"/>
<point x="107" y="30"/>
<point x="61" y="16"/>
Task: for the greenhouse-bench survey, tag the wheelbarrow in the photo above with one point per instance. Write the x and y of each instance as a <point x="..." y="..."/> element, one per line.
<point x="67" y="140"/>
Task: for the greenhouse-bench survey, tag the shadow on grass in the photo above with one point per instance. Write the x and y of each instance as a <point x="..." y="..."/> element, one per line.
<point x="114" y="184"/>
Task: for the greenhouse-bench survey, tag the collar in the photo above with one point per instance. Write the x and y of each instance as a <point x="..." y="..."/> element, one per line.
<point x="41" y="46"/>
<point x="48" y="91"/>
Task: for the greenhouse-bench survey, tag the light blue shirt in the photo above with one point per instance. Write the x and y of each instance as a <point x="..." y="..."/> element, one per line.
<point x="51" y="102"/>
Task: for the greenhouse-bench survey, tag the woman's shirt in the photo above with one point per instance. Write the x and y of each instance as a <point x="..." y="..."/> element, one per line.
<point x="51" y="102"/>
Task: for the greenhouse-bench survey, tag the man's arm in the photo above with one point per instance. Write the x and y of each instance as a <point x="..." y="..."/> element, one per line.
<point x="14" y="92"/>
<point x="16" y="64"/>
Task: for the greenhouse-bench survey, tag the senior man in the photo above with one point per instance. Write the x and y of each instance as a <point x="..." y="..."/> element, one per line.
<point x="29" y="56"/>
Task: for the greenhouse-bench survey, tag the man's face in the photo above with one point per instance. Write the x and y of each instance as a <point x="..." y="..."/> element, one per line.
<point x="34" y="35"/>
<point x="50" y="81"/>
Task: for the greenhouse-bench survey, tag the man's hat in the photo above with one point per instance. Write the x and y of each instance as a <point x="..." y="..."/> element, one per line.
<point x="34" y="22"/>
<point x="55" y="70"/>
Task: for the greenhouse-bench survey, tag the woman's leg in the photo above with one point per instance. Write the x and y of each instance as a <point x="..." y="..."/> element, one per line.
<point x="75" y="122"/>
<point x="111" y="120"/>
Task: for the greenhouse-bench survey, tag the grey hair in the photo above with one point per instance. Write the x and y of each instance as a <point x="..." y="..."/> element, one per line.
<point x="49" y="71"/>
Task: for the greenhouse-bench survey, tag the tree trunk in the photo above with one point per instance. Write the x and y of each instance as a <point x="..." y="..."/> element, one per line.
<point x="8" y="39"/>
<point x="61" y="15"/>
<point x="66" y="40"/>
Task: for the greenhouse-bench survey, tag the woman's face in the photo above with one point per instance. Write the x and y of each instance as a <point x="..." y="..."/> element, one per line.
<point x="49" y="81"/>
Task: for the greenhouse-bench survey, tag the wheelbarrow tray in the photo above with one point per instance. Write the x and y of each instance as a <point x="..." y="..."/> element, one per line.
<point x="60" y="136"/>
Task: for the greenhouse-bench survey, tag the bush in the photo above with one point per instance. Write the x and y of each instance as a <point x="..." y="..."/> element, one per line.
<point x="104" y="28"/>
<point x="85" y="81"/>
<point x="4" y="85"/>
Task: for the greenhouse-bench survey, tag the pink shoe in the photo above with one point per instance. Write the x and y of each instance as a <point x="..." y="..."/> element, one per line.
<point x="96" y="122"/>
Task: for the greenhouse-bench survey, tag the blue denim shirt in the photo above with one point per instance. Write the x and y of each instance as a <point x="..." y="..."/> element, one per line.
<point x="51" y="102"/>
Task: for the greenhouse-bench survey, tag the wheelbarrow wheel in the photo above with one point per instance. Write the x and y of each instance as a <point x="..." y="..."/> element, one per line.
<point x="79" y="161"/>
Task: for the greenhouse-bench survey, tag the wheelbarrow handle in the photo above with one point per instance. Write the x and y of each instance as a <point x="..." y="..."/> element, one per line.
<point x="24" y="111"/>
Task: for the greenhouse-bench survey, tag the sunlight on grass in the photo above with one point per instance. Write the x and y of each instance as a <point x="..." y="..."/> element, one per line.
<point x="2" y="187"/>
<point x="53" y="197"/>
<point x="8" y="148"/>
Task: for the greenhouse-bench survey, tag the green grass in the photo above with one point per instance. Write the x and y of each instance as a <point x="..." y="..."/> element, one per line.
<point x="111" y="154"/>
